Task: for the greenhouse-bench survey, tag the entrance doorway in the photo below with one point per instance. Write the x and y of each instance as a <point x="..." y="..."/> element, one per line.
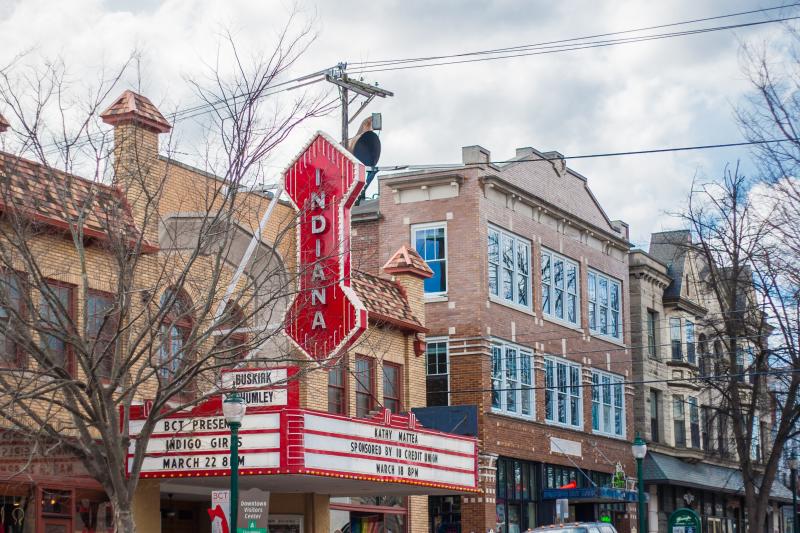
<point x="182" y="516"/>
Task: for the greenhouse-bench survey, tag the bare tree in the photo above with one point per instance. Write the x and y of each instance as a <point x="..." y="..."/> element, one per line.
<point x="752" y="294"/>
<point x="106" y="297"/>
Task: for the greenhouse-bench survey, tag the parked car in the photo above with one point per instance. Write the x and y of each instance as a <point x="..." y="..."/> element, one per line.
<point x="577" y="527"/>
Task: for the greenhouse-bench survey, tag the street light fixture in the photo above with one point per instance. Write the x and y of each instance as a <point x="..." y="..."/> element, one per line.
<point x="639" y="449"/>
<point x="234" y="407"/>
<point x="793" y="471"/>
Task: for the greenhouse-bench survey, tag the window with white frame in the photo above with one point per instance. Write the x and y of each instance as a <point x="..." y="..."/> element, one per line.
<point x="608" y="404"/>
<point x="430" y="241"/>
<point x="560" y="287"/>
<point x="605" y="305"/>
<point x="509" y="267"/>
<point x="436" y="383"/>
<point x="512" y="379"/>
<point x="563" y="404"/>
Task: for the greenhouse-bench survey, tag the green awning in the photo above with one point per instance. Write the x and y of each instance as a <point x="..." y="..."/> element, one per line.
<point x="661" y="468"/>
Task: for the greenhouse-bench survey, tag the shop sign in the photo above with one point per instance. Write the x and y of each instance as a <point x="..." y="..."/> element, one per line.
<point x="220" y="512"/>
<point x="684" y="521"/>
<point x="253" y="511"/>
<point x="383" y="452"/>
<point x="323" y="183"/>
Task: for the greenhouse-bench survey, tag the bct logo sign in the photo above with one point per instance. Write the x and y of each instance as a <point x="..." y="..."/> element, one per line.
<point x="323" y="183"/>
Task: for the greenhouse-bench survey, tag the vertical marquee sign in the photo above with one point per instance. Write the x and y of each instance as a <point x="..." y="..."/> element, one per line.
<point x="323" y="183"/>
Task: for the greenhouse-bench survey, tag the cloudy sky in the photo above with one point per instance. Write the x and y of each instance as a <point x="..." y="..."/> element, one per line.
<point x="662" y="93"/>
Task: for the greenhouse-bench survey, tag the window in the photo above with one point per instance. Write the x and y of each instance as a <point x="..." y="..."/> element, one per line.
<point x="509" y="267"/>
<point x="175" y="331"/>
<point x="436" y="381"/>
<point x="608" y="409"/>
<point x="101" y="329"/>
<point x="11" y="309"/>
<point x="694" y="422"/>
<point x="679" y="419"/>
<point x="702" y="354"/>
<point x="675" y="338"/>
<point x="337" y="387"/>
<point x="560" y="287"/>
<point x="605" y="316"/>
<point x="690" y="356"/>
<point x="652" y="324"/>
<point x="740" y="364"/>
<point x="563" y="404"/>
<point x="232" y="344"/>
<point x="755" y="440"/>
<point x="751" y="366"/>
<point x="365" y="385"/>
<point x="655" y="415"/>
<point x="705" y="421"/>
<point x="722" y="434"/>
<point x="430" y="241"/>
<point x="512" y="379"/>
<point x="392" y="387"/>
<point x="56" y="314"/>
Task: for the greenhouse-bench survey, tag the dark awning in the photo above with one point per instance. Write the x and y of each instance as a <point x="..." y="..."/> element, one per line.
<point x="661" y="468"/>
<point x="591" y="495"/>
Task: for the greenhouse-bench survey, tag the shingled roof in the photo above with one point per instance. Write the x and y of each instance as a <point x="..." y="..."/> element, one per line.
<point x="407" y="260"/>
<point x="385" y="301"/>
<point x="133" y="107"/>
<point x="58" y="199"/>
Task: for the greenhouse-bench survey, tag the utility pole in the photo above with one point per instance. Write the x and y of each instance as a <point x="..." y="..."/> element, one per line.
<point x="338" y="76"/>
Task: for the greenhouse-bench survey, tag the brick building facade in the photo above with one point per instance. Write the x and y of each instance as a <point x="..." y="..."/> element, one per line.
<point x="384" y="368"/>
<point x="528" y="319"/>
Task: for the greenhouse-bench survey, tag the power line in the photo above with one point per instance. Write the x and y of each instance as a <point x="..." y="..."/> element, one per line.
<point x="571" y="39"/>
<point x="579" y="46"/>
<point x="543" y="158"/>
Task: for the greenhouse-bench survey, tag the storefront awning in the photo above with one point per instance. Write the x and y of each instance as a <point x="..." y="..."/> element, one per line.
<point x="591" y="495"/>
<point x="662" y="468"/>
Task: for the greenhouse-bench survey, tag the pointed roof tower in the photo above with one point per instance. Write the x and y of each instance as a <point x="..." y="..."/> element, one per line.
<point x="407" y="261"/>
<point x="131" y="107"/>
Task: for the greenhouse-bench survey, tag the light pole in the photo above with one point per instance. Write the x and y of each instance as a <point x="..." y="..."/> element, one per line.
<point x="234" y="408"/>
<point x="639" y="449"/>
<point x="793" y="471"/>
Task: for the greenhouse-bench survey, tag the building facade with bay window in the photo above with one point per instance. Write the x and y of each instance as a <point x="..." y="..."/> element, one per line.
<point x="677" y="340"/>
<point x="334" y="446"/>
<point x="529" y="328"/>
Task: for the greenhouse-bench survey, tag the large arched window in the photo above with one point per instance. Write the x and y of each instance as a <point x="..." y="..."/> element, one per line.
<point x="232" y="346"/>
<point x="175" y="330"/>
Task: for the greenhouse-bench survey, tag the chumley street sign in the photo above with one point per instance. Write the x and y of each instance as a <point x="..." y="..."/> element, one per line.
<point x="323" y="183"/>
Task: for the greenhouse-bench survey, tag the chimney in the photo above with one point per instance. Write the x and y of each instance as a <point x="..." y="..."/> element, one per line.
<point x="137" y="124"/>
<point x="524" y="151"/>
<point x="410" y="271"/>
<point x="4" y="125"/>
<point x="622" y="228"/>
<point x="475" y="154"/>
<point x="557" y="160"/>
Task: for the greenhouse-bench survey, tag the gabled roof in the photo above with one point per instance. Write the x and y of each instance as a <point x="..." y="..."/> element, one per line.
<point x="407" y="261"/>
<point x="385" y="301"/>
<point x="4" y="125"/>
<point x="58" y="199"/>
<point x="133" y="107"/>
<point x="669" y="247"/>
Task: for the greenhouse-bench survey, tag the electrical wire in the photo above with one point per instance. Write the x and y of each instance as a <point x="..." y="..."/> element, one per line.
<point x="382" y="62"/>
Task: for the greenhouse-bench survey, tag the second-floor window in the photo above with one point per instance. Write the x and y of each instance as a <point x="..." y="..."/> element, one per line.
<point x="679" y="420"/>
<point x="694" y="422"/>
<point x="430" y="241"/>
<point x="755" y="442"/>
<point x="675" y="339"/>
<point x="655" y="415"/>
<point x="512" y="379"/>
<point x="365" y="385"/>
<point x="652" y="325"/>
<point x="56" y="314"/>
<point x="392" y="387"/>
<point x="337" y="388"/>
<point x="101" y="328"/>
<point x="608" y="404"/>
<point x="560" y="287"/>
<point x="175" y="331"/>
<point x="563" y="392"/>
<point x="11" y="309"/>
<point x="509" y="267"/>
<point x="605" y="304"/>
<point x="436" y="380"/>
<point x="690" y="353"/>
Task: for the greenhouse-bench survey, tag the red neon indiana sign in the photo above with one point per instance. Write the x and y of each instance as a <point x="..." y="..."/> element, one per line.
<point x="323" y="183"/>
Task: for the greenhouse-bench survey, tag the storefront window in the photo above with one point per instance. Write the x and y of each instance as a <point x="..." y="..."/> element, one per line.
<point x="517" y="494"/>
<point x="372" y="514"/>
<point x="93" y="512"/>
<point x="445" y="514"/>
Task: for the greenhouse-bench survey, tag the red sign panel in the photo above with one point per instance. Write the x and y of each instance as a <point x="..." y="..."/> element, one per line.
<point x="323" y="183"/>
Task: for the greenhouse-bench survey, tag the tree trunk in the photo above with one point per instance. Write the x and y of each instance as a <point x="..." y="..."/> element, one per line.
<point x="123" y="519"/>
